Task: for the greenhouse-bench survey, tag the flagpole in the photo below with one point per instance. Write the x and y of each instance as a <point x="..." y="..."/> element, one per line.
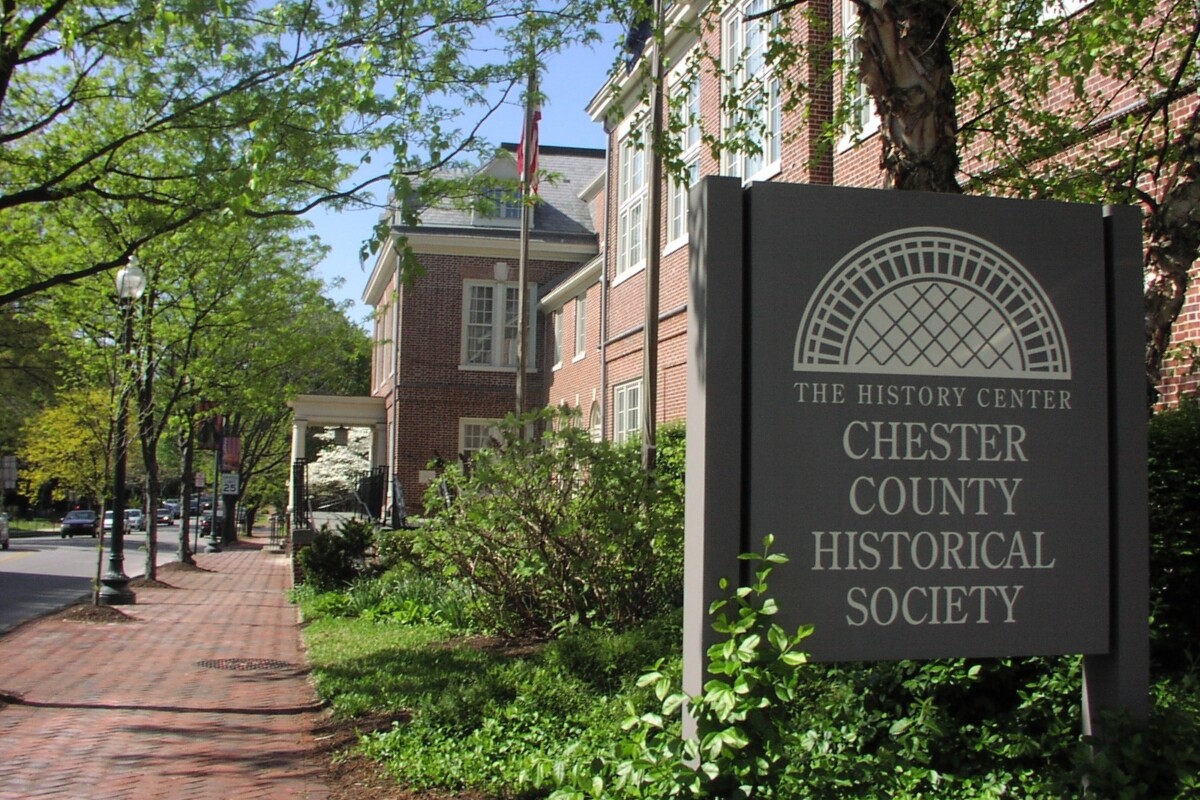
<point x="654" y="254"/>
<point x="527" y="139"/>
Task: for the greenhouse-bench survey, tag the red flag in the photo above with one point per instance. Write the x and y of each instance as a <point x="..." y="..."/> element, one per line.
<point x="529" y="171"/>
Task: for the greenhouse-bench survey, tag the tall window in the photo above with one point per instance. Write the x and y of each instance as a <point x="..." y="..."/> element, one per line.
<point x="753" y="131"/>
<point x="490" y="325"/>
<point x="558" y="336"/>
<point x="580" y="326"/>
<point x="631" y="205"/>
<point x="476" y="434"/>
<point x="864" y="120"/>
<point x="596" y="421"/>
<point x="627" y="410"/>
<point x="687" y="102"/>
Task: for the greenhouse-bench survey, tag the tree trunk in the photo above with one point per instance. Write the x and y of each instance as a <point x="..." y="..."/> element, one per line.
<point x="1172" y="246"/>
<point x="905" y="62"/>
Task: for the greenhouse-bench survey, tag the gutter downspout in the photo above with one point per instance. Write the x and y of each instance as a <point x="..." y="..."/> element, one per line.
<point x="604" y="285"/>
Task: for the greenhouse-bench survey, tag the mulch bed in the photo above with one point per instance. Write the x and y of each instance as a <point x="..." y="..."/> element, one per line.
<point x="93" y="614"/>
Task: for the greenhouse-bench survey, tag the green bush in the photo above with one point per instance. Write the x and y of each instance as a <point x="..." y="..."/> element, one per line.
<point x="557" y="529"/>
<point x="335" y="559"/>
<point x="1174" y="444"/>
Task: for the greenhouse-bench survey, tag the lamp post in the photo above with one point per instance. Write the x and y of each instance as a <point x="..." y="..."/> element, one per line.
<point x="115" y="591"/>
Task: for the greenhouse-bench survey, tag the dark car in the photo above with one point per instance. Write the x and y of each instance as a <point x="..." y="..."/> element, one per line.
<point x="165" y="516"/>
<point x="78" y="523"/>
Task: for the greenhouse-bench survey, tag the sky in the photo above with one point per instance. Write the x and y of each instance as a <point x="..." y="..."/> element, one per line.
<point x="569" y="83"/>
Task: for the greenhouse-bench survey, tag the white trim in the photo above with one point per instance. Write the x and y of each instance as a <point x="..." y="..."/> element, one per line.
<point x="737" y="57"/>
<point x="868" y="116"/>
<point x="499" y="306"/>
<point x="580" y="326"/>
<point x="577" y="281"/>
<point x="495" y="247"/>
<point x="621" y="407"/>
<point x="492" y="424"/>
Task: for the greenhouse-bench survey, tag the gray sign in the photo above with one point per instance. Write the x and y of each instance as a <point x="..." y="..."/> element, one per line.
<point x="927" y="420"/>
<point x="932" y="402"/>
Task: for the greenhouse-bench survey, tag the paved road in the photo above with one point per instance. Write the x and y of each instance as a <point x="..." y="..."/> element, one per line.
<point x="42" y="574"/>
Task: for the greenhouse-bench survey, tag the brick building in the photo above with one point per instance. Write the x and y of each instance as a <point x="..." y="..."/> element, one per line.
<point x="590" y="274"/>
<point x="445" y="356"/>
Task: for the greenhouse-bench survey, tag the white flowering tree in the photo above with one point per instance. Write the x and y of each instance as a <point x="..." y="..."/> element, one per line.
<point x="331" y="474"/>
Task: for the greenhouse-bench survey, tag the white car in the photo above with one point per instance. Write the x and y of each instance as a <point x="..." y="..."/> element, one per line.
<point x="134" y="520"/>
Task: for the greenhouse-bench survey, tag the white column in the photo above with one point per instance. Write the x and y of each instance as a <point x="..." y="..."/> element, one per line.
<point x="299" y="430"/>
<point x="377" y="456"/>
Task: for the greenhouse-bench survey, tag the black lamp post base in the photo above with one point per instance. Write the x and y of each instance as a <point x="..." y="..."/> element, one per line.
<point x="213" y="546"/>
<point x="115" y="591"/>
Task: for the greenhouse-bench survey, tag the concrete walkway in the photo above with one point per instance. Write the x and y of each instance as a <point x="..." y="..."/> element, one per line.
<point x="204" y="694"/>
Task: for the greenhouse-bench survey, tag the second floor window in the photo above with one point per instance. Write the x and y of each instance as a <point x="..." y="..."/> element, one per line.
<point x="753" y="130"/>
<point x="631" y="205"/>
<point x="687" y="104"/>
<point x="490" y="325"/>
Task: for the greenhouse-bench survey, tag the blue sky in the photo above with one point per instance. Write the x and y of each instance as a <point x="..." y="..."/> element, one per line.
<point x="571" y="80"/>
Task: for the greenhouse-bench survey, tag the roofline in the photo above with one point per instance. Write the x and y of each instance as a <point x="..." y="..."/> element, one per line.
<point x="587" y="275"/>
<point x="559" y="150"/>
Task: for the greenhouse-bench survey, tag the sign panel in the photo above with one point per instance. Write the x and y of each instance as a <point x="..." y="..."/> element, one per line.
<point x="229" y="483"/>
<point x="926" y="423"/>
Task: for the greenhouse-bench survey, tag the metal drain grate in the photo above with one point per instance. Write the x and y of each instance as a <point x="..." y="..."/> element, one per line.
<point x="244" y="664"/>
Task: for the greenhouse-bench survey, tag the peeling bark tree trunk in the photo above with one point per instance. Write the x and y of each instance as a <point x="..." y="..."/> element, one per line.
<point x="906" y="65"/>
<point x="1172" y="246"/>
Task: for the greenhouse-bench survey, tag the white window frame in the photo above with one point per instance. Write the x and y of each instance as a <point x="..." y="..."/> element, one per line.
<point x="505" y="211"/>
<point x="580" y="326"/>
<point x="688" y="88"/>
<point x="503" y="355"/>
<point x="596" y="421"/>
<point x="865" y="120"/>
<point x="556" y="318"/>
<point x="627" y="410"/>
<point x="744" y="64"/>
<point x="632" y="191"/>
<point x="475" y="433"/>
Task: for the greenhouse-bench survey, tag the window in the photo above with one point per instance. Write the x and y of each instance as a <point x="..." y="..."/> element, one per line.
<point x="490" y="325"/>
<point x="688" y="104"/>
<point x="501" y="207"/>
<point x="864" y="120"/>
<point x="627" y="410"/>
<point x="596" y="421"/>
<point x="557" y="317"/>
<point x="476" y="434"/>
<point x="631" y="205"/>
<point x="752" y="132"/>
<point x="580" y="326"/>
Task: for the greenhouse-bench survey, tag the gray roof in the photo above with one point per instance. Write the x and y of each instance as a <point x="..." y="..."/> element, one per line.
<point x="565" y="173"/>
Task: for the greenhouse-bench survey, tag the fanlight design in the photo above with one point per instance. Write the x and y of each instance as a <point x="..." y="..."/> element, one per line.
<point x="932" y="301"/>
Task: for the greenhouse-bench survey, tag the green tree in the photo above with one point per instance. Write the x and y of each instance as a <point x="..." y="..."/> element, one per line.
<point x="68" y="447"/>
<point x="264" y="110"/>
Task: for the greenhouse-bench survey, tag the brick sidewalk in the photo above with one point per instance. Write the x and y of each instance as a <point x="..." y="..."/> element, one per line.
<point x="204" y="695"/>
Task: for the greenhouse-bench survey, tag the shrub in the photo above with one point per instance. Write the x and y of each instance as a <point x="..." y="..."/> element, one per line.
<point x="556" y="529"/>
<point x="335" y="559"/>
<point x="1174" y="444"/>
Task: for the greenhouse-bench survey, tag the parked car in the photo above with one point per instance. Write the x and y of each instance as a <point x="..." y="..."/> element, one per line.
<point x="3" y="531"/>
<point x="165" y="516"/>
<point x="79" y="522"/>
<point x="134" y="520"/>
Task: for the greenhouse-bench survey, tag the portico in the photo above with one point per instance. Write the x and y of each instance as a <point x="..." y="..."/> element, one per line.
<point x="328" y="411"/>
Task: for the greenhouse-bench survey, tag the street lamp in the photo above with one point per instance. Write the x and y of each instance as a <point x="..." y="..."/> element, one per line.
<point x="115" y="591"/>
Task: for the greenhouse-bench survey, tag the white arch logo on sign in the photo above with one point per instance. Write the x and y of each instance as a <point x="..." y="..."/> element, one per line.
<point x="932" y="301"/>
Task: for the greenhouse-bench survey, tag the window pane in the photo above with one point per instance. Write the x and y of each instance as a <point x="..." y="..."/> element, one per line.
<point x="512" y="331"/>
<point x="479" y="325"/>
